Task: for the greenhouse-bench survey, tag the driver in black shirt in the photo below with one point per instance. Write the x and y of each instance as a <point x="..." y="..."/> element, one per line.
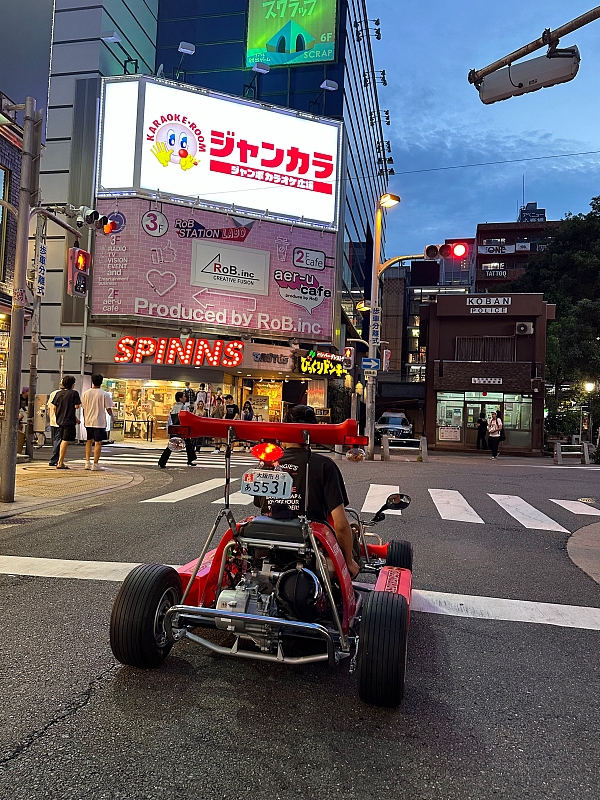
<point x="327" y="496"/>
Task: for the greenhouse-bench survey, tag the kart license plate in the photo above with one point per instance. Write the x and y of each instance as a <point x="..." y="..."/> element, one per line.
<point x="272" y="483"/>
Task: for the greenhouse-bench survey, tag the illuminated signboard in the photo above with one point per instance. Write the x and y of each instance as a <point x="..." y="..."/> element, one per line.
<point x="190" y="352"/>
<point x="286" y="33"/>
<point x="322" y="367"/>
<point x="224" y="275"/>
<point x="220" y="152"/>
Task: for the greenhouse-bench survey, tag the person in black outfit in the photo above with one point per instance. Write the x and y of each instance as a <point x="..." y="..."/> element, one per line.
<point x="180" y="405"/>
<point x="482" y="427"/>
<point x="327" y="493"/>
<point x="232" y="410"/>
<point x="67" y="403"/>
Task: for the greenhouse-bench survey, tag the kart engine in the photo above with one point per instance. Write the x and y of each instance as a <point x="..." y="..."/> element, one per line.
<point x="268" y="589"/>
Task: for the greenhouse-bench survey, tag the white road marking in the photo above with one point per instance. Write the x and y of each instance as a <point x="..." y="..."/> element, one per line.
<point x="497" y="608"/>
<point x="62" y="568"/>
<point x="456" y="605"/>
<point x="189" y="491"/>
<point x="236" y="499"/>
<point x="578" y="508"/>
<point x="376" y="496"/>
<point x="526" y="514"/>
<point x="452" y="505"/>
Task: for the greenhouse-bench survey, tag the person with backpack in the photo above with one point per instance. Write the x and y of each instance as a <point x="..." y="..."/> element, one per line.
<point x="180" y="405"/>
<point x="494" y="434"/>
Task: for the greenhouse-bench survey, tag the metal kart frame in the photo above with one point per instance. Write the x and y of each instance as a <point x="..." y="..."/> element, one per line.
<point x="180" y="620"/>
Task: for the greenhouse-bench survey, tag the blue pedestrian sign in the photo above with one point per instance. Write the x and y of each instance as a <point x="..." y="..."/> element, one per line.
<point x="62" y="341"/>
<point x="371" y="363"/>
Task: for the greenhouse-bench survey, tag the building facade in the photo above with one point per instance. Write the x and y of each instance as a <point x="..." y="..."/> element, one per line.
<point x="11" y="143"/>
<point x="486" y="353"/>
<point x="504" y="248"/>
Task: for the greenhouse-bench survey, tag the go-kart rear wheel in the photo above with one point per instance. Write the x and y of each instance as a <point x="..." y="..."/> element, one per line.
<point x="382" y="649"/>
<point x="137" y="632"/>
<point x="400" y="554"/>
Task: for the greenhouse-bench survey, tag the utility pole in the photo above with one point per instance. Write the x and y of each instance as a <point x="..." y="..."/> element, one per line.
<point x="8" y="446"/>
<point x="38" y="291"/>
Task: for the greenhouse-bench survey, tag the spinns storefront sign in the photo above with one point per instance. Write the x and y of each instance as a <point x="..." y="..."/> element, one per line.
<point x="285" y="33"/>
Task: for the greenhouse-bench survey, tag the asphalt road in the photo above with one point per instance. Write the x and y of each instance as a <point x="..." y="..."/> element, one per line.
<point x="492" y="708"/>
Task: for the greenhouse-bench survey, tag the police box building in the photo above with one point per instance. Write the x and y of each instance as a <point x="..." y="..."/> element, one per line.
<point x="486" y="353"/>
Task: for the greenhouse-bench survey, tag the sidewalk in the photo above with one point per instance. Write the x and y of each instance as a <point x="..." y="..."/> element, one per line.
<point x="39" y="486"/>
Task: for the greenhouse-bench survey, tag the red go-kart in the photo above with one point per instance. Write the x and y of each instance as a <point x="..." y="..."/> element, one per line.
<point x="281" y="588"/>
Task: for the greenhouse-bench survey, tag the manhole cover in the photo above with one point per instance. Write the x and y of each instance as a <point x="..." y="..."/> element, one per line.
<point x="586" y="499"/>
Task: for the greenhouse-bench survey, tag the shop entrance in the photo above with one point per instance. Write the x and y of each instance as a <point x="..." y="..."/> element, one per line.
<point x="458" y="413"/>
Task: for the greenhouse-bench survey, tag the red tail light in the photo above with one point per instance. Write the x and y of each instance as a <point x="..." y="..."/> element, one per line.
<point x="267" y="451"/>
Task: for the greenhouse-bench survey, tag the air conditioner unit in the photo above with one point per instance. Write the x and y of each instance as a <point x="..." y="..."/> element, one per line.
<point x="524" y="328"/>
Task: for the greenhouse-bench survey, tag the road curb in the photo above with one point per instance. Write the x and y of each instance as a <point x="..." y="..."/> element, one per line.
<point x="24" y="506"/>
<point x="583" y="548"/>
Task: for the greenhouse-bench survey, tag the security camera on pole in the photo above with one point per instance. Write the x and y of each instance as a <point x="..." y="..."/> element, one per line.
<point x="385" y="201"/>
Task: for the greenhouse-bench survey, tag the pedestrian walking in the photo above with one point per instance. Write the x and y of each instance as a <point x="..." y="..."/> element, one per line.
<point x="96" y="404"/>
<point x="494" y="431"/>
<point x="482" y="426"/>
<point x="24" y="398"/>
<point x="218" y="412"/>
<point x="54" y="429"/>
<point x="180" y="405"/>
<point x="67" y="403"/>
<point x="200" y="410"/>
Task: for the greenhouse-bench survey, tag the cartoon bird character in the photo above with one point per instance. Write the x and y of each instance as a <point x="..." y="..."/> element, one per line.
<point x="175" y="144"/>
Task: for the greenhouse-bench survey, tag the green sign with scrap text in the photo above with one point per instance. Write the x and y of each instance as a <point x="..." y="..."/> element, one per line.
<point x="284" y="33"/>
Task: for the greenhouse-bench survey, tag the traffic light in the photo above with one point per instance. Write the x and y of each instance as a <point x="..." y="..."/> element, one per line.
<point x="348" y="358"/>
<point x="385" y="366"/>
<point x="92" y="219"/>
<point x="78" y="275"/>
<point x="457" y="250"/>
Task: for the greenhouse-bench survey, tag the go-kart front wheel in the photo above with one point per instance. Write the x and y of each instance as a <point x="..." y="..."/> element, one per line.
<point x="382" y="649"/>
<point x="137" y="632"/>
<point x="400" y="554"/>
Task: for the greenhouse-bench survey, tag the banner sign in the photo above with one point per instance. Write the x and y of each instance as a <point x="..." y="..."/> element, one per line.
<point x="219" y="152"/>
<point x="250" y="286"/>
<point x="285" y="33"/>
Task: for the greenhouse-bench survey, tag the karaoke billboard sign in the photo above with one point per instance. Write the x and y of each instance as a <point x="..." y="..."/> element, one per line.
<point x="219" y="152"/>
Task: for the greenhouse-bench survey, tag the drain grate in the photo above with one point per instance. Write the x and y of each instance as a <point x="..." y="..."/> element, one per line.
<point x="586" y="499"/>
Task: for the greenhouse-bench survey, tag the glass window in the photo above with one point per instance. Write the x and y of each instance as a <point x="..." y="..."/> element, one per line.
<point x="491" y="242"/>
<point x="489" y="397"/>
<point x="450" y="409"/>
<point x="517" y="416"/>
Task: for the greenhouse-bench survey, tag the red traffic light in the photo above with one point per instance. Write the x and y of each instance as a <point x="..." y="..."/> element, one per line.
<point x="109" y="227"/>
<point x="459" y="250"/>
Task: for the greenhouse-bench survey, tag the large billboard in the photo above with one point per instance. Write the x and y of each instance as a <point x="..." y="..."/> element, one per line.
<point x="285" y="33"/>
<point x="220" y="273"/>
<point x="218" y="152"/>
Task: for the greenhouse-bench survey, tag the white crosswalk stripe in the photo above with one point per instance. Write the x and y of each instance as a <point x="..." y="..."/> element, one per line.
<point x="149" y="458"/>
<point x="526" y="514"/>
<point x="576" y="507"/>
<point x="376" y="496"/>
<point x="452" y="505"/>
<point x="189" y="491"/>
<point x="236" y="499"/>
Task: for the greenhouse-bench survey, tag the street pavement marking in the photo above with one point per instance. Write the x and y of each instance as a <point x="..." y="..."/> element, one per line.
<point x="456" y="605"/>
<point x="376" y="496"/>
<point x="452" y="505"/>
<point x="189" y="491"/>
<point x="497" y="608"/>
<point x="526" y="514"/>
<point x="236" y="499"/>
<point x="578" y="508"/>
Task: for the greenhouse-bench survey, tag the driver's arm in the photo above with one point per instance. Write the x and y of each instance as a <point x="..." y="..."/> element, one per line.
<point x="343" y="533"/>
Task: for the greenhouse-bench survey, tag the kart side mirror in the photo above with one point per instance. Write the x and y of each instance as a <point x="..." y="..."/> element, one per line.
<point x="395" y="502"/>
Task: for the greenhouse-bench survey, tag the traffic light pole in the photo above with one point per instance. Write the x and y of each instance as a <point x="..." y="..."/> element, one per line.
<point x="40" y="239"/>
<point x="371" y="380"/>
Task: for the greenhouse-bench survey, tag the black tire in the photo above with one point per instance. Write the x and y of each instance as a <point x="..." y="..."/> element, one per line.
<point x="137" y="633"/>
<point x="400" y="554"/>
<point x="382" y="649"/>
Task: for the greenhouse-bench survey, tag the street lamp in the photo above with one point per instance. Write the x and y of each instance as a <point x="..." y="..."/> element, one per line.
<point x="589" y="386"/>
<point x="386" y="200"/>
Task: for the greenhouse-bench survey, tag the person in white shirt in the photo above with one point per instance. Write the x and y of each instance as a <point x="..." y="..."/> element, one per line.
<point x="96" y="404"/>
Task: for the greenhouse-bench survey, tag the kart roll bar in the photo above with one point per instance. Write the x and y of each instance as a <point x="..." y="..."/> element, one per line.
<point x="254" y="431"/>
